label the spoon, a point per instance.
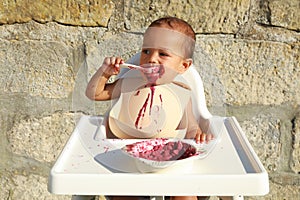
(144, 69)
(130, 66)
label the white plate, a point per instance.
(152, 165)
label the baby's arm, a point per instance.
(97, 88)
(193, 130)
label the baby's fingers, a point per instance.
(209, 137)
(116, 61)
(111, 65)
(112, 61)
(203, 137)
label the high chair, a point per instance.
(230, 168)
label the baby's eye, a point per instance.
(146, 51)
(163, 54)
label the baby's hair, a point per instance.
(176, 24)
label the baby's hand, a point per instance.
(201, 137)
(111, 66)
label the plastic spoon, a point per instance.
(131, 66)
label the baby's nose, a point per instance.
(153, 58)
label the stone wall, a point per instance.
(247, 52)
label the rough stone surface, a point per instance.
(285, 14)
(41, 139)
(255, 72)
(247, 53)
(267, 145)
(17, 186)
(75, 12)
(44, 72)
(283, 186)
(264, 33)
(277, 191)
(124, 45)
(48, 72)
(34, 31)
(230, 17)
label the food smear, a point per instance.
(143, 109)
(161, 149)
(152, 72)
(141, 113)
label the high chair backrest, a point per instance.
(194, 81)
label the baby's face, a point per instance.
(163, 57)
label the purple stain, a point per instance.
(137, 93)
(152, 89)
(141, 112)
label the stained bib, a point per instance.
(149, 111)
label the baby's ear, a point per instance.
(186, 64)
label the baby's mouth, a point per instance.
(152, 72)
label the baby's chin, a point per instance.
(152, 79)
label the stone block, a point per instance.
(214, 88)
(282, 186)
(74, 12)
(49, 57)
(16, 186)
(33, 31)
(123, 45)
(285, 14)
(269, 33)
(42, 138)
(36, 67)
(263, 133)
(253, 72)
(201, 14)
(278, 192)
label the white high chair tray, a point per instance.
(232, 168)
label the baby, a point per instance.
(168, 45)
(152, 102)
